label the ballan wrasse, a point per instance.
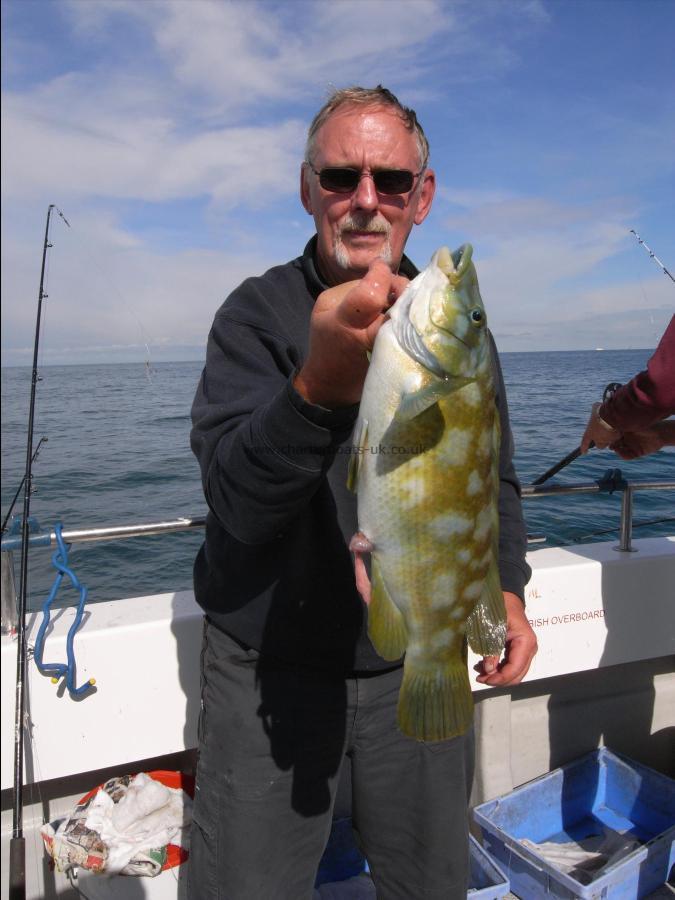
(425, 468)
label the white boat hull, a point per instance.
(605, 622)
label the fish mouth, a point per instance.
(453, 264)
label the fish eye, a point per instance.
(477, 316)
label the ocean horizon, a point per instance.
(142, 361)
(118, 453)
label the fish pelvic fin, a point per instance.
(486, 626)
(359, 447)
(386, 626)
(435, 704)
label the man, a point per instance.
(633, 421)
(293, 692)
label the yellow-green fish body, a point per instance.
(427, 480)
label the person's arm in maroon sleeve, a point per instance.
(647, 399)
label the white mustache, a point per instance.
(370, 226)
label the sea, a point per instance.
(117, 453)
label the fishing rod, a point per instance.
(17, 844)
(43, 440)
(609, 391)
(652, 254)
(565, 461)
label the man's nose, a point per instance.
(365, 195)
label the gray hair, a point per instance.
(358, 96)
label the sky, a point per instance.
(170, 133)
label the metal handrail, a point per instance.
(591, 487)
(186, 523)
(109, 533)
(530, 491)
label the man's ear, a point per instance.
(304, 188)
(426, 196)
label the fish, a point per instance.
(425, 467)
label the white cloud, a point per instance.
(537, 259)
(242, 54)
(235, 56)
(118, 154)
(527, 268)
(502, 215)
(107, 288)
(173, 127)
(530, 245)
(125, 125)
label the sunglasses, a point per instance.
(343, 180)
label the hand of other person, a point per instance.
(344, 323)
(520, 649)
(598, 431)
(633, 444)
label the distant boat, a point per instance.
(599, 348)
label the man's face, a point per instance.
(357, 227)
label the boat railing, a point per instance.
(606, 485)
(610, 483)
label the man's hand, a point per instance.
(521, 646)
(598, 431)
(634, 444)
(344, 323)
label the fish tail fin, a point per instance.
(434, 705)
(386, 626)
(486, 626)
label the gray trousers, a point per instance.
(273, 741)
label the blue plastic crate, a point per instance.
(599, 792)
(486, 879)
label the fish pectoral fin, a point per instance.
(386, 626)
(435, 703)
(414, 402)
(359, 447)
(486, 626)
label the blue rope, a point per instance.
(58, 670)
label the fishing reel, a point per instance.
(610, 390)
